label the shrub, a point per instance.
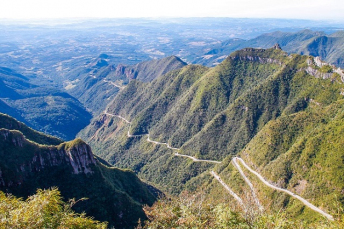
(45, 209)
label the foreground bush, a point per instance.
(197, 211)
(45, 209)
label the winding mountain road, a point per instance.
(136, 135)
(234, 161)
(197, 160)
(236, 197)
(105, 112)
(237, 165)
(112, 83)
(328, 216)
(159, 143)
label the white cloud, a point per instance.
(310, 9)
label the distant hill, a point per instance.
(113, 195)
(8, 122)
(44, 108)
(260, 104)
(329, 47)
(98, 84)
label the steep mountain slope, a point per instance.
(176, 107)
(99, 83)
(44, 108)
(301, 152)
(114, 195)
(328, 47)
(214, 114)
(8, 122)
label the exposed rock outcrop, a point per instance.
(277, 46)
(256, 59)
(129, 72)
(75, 156)
(80, 158)
(314, 64)
(120, 69)
(264, 55)
(113, 195)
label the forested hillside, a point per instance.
(100, 82)
(44, 108)
(216, 113)
(205, 122)
(103, 192)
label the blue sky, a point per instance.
(299, 9)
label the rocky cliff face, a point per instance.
(257, 55)
(128, 71)
(80, 158)
(21, 157)
(113, 195)
(315, 64)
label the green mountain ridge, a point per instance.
(8, 122)
(311, 153)
(329, 47)
(215, 114)
(99, 85)
(300, 152)
(113, 195)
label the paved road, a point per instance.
(160, 143)
(135, 136)
(112, 83)
(234, 161)
(195, 159)
(105, 112)
(285, 190)
(237, 165)
(217, 177)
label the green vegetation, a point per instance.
(7, 122)
(97, 90)
(45, 209)
(149, 70)
(177, 108)
(197, 210)
(220, 112)
(192, 210)
(46, 109)
(326, 69)
(71, 144)
(302, 152)
(113, 195)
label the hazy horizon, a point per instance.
(330, 10)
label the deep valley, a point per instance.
(151, 123)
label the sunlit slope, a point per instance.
(207, 113)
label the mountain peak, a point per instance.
(277, 46)
(176, 58)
